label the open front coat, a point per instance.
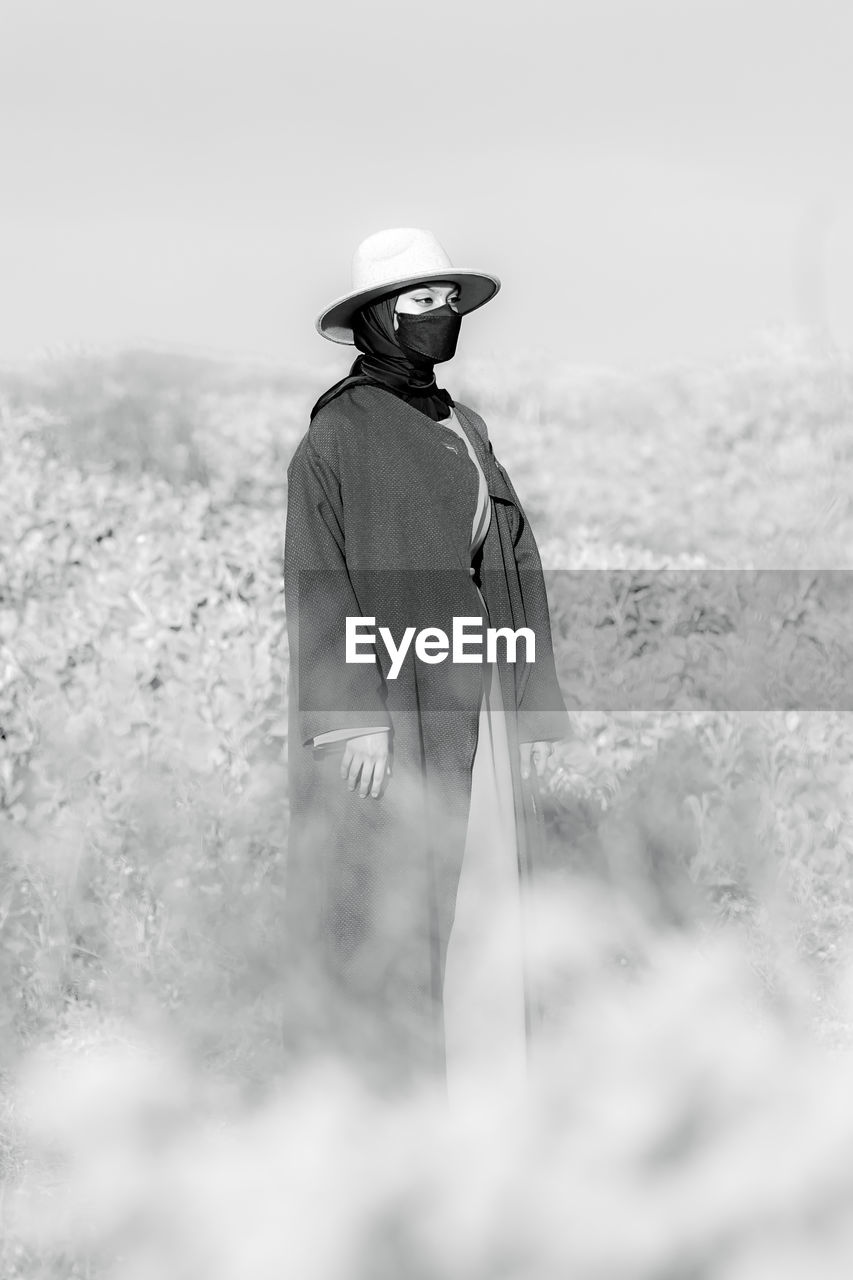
(380, 503)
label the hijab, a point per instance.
(384, 363)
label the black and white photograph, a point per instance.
(426, 640)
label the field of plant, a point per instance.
(692, 1116)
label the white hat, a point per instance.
(394, 261)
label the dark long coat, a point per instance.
(380, 505)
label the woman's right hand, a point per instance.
(367, 755)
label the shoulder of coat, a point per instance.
(298, 453)
(475, 418)
(318, 442)
(352, 412)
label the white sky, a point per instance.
(642, 174)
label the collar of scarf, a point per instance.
(384, 363)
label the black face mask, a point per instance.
(432, 334)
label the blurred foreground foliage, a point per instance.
(672, 1128)
(143, 808)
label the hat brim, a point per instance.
(475, 289)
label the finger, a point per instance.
(354, 769)
(524, 751)
(540, 759)
(367, 768)
(346, 761)
(366, 777)
(379, 774)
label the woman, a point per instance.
(409, 828)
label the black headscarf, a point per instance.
(384, 363)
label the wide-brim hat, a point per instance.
(394, 261)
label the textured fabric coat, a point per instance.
(380, 504)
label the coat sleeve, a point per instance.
(542, 714)
(326, 692)
(341, 735)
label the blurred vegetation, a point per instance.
(143, 824)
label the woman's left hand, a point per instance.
(539, 753)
